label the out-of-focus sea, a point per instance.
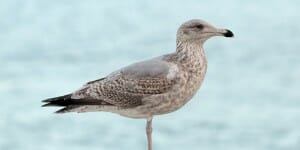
(250, 99)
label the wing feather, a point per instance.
(128, 86)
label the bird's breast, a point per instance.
(195, 78)
(189, 81)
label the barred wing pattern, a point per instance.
(127, 87)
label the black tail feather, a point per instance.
(68, 102)
(58, 101)
(67, 108)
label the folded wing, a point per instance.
(128, 86)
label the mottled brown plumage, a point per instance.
(152, 87)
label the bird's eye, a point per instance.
(200, 26)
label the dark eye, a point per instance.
(199, 26)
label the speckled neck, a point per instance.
(190, 54)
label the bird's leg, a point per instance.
(149, 132)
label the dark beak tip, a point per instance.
(228, 33)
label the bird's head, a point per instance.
(199, 31)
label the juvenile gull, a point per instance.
(153, 87)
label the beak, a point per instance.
(218, 32)
(226, 32)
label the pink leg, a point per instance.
(149, 132)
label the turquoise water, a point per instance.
(250, 98)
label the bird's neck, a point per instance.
(191, 52)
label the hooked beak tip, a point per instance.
(228, 33)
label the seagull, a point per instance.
(152, 87)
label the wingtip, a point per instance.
(47, 100)
(45, 105)
(61, 111)
(49, 104)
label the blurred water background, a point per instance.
(250, 98)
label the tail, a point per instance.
(70, 104)
(61, 101)
(57, 101)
